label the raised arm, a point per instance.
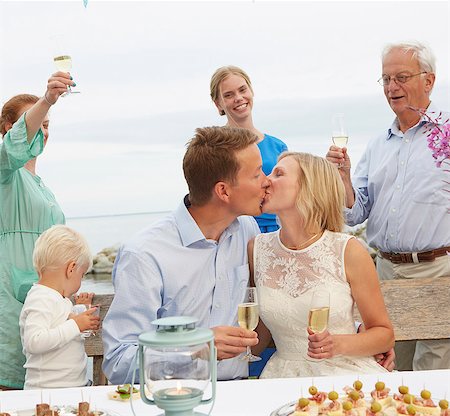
(378, 336)
(56, 85)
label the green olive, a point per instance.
(357, 385)
(333, 395)
(375, 407)
(312, 390)
(354, 395)
(379, 385)
(411, 409)
(347, 405)
(403, 389)
(443, 404)
(303, 402)
(425, 394)
(408, 398)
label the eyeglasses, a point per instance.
(398, 79)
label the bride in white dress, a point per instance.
(308, 253)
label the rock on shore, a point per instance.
(104, 260)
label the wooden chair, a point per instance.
(94, 344)
(418, 308)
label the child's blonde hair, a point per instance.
(58, 246)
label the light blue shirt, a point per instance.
(171, 269)
(401, 192)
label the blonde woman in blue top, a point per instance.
(27, 208)
(232, 93)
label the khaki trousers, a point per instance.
(420, 355)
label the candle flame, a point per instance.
(178, 386)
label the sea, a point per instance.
(104, 231)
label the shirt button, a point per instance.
(398, 186)
(402, 163)
(217, 306)
(406, 140)
(51, 204)
(41, 184)
(393, 210)
(392, 235)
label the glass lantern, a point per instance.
(176, 365)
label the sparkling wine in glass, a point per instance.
(319, 311)
(62, 59)
(339, 132)
(248, 317)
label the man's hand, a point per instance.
(386, 359)
(231, 341)
(339, 157)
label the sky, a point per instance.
(143, 70)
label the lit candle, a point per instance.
(179, 391)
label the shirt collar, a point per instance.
(432, 112)
(190, 232)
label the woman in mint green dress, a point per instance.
(27, 208)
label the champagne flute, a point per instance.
(62, 60)
(319, 311)
(339, 131)
(248, 317)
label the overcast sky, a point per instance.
(143, 69)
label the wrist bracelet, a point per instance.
(46, 99)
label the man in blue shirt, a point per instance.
(400, 191)
(194, 261)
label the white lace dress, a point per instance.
(286, 280)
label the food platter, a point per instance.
(65, 410)
(285, 410)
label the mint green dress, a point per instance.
(27, 208)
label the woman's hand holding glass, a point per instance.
(320, 342)
(57, 85)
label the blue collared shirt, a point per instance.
(171, 269)
(401, 192)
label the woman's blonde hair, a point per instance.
(58, 246)
(222, 73)
(321, 195)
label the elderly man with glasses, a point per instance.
(400, 191)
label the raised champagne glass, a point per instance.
(248, 317)
(339, 132)
(62, 59)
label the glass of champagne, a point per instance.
(248, 317)
(339, 131)
(62, 60)
(319, 311)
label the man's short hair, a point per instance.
(420, 51)
(58, 246)
(211, 157)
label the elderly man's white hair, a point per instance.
(420, 51)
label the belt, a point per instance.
(420, 257)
